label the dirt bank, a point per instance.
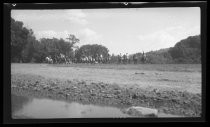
(168, 101)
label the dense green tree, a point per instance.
(92, 50)
(187, 50)
(28, 51)
(19, 37)
(54, 47)
(39, 53)
(159, 57)
(72, 40)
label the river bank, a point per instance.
(171, 102)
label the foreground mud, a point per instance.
(171, 102)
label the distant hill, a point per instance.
(162, 50)
(185, 51)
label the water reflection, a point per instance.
(31, 107)
(19, 101)
(46, 108)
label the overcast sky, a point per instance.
(120, 30)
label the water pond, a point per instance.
(32, 107)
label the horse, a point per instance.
(120, 58)
(143, 58)
(135, 59)
(125, 58)
(61, 58)
(49, 60)
(90, 59)
(84, 59)
(68, 61)
(107, 60)
(101, 59)
(95, 60)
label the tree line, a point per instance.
(26, 48)
(186, 51)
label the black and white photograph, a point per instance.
(106, 63)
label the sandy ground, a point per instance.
(165, 77)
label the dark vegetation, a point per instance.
(187, 51)
(91, 50)
(26, 48)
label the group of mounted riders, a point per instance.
(83, 59)
(125, 59)
(93, 59)
(58, 59)
(122, 59)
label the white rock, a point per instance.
(142, 111)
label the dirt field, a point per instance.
(174, 89)
(179, 77)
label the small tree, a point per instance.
(71, 45)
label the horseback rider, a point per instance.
(135, 59)
(49, 60)
(124, 58)
(119, 58)
(143, 59)
(108, 58)
(97, 58)
(101, 58)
